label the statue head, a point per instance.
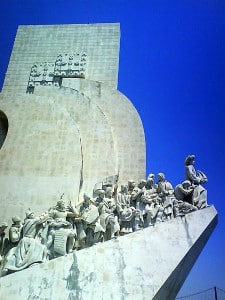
(109, 192)
(131, 183)
(61, 205)
(151, 176)
(186, 184)
(16, 220)
(30, 214)
(3, 225)
(189, 160)
(101, 194)
(161, 177)
(86, 198)
(150, 179)
(142, 183)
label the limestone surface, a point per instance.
(137, 266)
(65, 130)
(65, 126)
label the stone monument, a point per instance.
(70, 144)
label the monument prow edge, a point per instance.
(135, 266)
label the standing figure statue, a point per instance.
(30, 249)
(61, 232)
(134, 193)
(199, 198)
(149, 202)
(166, 193)
(130, 218)
(89, 230)
(122, 198)
(108, 220)
(137, 194)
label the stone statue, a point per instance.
(89, 229)
(62, 233)
(135, 192)
(64, 228)
(166, 193)
(30, 249)
(183, 193)
(122, 198)
(108, 220)
(149, 202)
(199, 198)
(130, 219)
(15, 231)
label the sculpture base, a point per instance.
(148, 264)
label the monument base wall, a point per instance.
(148, 264)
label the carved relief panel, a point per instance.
(65, 66)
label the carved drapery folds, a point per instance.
(109, 213)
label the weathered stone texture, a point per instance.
(137, 266)
(66, 135)
(38, 44)
(65, 139)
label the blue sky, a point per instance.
(172, 67)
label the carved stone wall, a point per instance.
(65, 66)
(69, 128)
(41, 45)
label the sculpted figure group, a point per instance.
(64, 228)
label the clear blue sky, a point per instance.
(172, 67)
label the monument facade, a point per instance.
(79, 218)
(65, 120)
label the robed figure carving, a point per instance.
(197, 178)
